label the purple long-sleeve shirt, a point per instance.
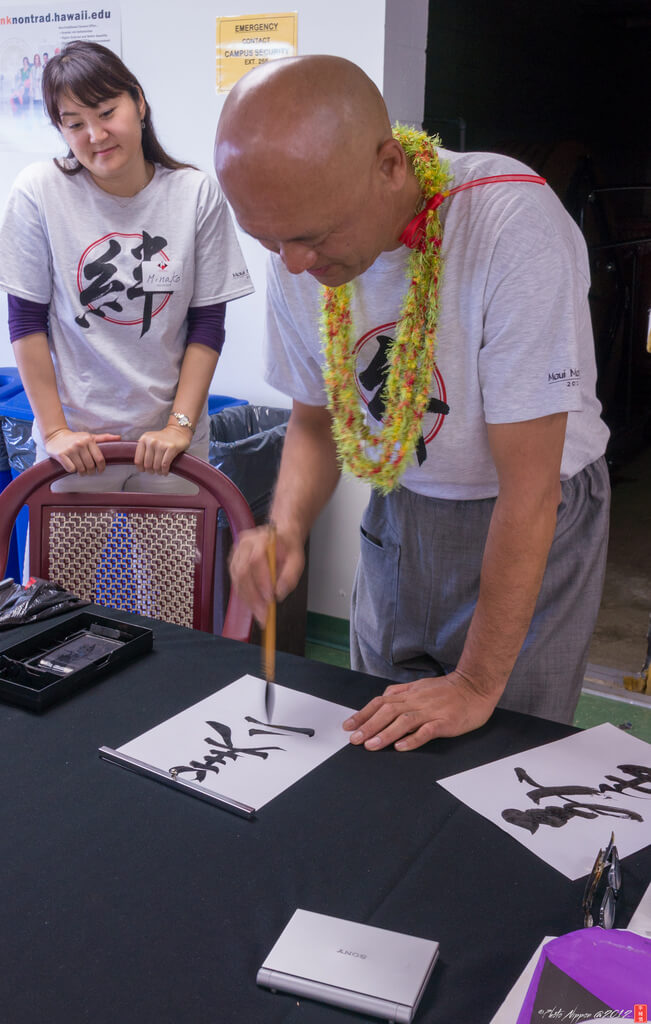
(205, 323)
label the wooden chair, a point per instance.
(149, 553)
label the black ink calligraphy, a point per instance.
(641, 781)
(280, 728)
(222, 752)
(99, 272)
(149, 248)
(101, 275)
(555, 815)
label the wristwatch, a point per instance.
(183, 420)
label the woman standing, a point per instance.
(118, 261)
(37, 84)
(20, 96)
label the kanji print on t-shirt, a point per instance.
(103, 269)
(371, 369)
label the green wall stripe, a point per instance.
(328, 630)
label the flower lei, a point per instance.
(381, 457)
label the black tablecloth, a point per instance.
(125, 902)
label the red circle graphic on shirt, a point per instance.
(124, 263)
(367, 348)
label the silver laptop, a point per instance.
(371, 970)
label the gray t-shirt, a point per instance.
(117, 348)
(514, 340)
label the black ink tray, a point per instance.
(38, 671)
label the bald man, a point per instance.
(480, 576)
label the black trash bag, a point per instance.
(246, 443)
(40, 599)
(18, 443)
(4, 457)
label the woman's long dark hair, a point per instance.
(92, 74)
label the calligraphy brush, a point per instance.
(269, 646)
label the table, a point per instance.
(125, 902)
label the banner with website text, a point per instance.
(29, 36)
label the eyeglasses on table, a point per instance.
(606, 866)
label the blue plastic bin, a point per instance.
(9, 385)
(16, 419)
(218, 402)
(10, 381)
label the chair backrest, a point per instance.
(151, 553)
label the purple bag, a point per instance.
(589, 975)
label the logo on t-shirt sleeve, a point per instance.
(568, 377)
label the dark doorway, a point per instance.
(563, 86)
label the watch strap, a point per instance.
(183, 420)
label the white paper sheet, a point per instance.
(255, 761)
(641, 920)
(569, 826)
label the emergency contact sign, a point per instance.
(246, 41)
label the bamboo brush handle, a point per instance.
(270, 625)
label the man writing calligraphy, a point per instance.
(428, 315)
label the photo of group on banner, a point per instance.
(27, 94)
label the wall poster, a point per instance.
(29, 36)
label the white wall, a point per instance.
(335, 537)
(171, 49)
(405, 55)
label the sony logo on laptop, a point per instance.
(351, 952)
